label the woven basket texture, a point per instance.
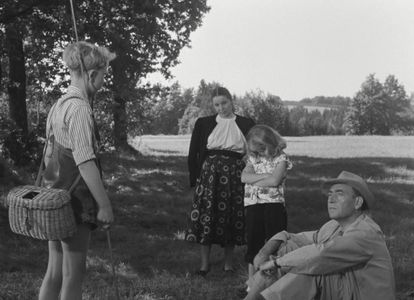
(41, 213)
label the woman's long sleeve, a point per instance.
(194, 153)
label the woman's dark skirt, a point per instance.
(217, 214)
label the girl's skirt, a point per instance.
(217, 214)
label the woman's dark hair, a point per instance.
(222, 91)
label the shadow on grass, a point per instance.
(151, 199)
(158, 207)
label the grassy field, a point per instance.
(152, 199)
(314, 146)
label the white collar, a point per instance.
(221, 119)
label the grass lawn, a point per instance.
(151, 199)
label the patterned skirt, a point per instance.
(217, 214)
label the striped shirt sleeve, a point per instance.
(80, 126)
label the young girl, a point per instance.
(264, 176)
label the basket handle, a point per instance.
(42, 162)
(72, 187)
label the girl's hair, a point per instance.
(222, 91)
(262, 137)
(87, 56)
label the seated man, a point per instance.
(346, 259)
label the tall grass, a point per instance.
(151, 198)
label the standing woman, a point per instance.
(72, 151)
(215, 164)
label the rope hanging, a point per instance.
(82, 63)
(74, 21)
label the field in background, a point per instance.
(311, 108)
(313, 146)
(151, 199)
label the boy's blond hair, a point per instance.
(87, 55)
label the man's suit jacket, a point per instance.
(198, 144)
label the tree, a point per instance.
(297, 121)
(378, 108)
(265, 109)
(29, 32)
(200, 106)
(334, 121)
(398, 107)
(146, 35)
(169, 107)
(17, 76)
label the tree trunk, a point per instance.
(119, 107)
(17, 78)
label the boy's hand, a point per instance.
(105, 215)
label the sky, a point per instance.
(299, 49)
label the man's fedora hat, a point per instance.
(354, 181)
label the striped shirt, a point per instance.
(72, 125)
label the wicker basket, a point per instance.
(41, 213)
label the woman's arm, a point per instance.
(92, 178)
(194, 153)
(275, 178)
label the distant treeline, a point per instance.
(330, 102)
(176, 111)
(377, 108)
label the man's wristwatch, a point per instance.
(274, 258)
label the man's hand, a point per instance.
(259, 259)
(271, 268)
(272, 246)
(268, 265)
